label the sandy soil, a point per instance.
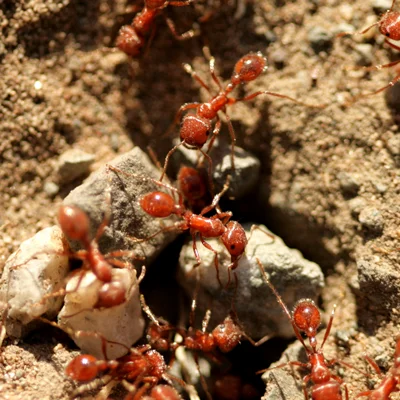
(331, 177)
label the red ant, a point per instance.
(143, 365)
(75, 225)
(161, 205)
(196, 128)
(131, 38)
(306, 318)
(389, 384)
(389, 26)
(158, 392)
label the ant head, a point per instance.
(234, 239)
(195, 130)
(249, 68)
(191, 183)
(307, 317)
(389, 26)
(227, 335)
(74, 223)
(158, 204)
(128, 41)
(111, 294)
(83, 368)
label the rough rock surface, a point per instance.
(293, 276)
(38, 268)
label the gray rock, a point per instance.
(371, 219)
(244, 177)
(73, 164)
(127, 217)
(38, 268)
(122, 324)
(365, 54)
(357, 205)
(51, 189)
(257, 308)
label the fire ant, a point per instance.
(389, 383)
(75, 225)
(142, 366)
(160, 205)
(389, 26)
(195, 128)
(307, 318)
(131, 38)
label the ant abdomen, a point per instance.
(195, 130)
(111, 294)
(158, 204)
(74, 223)
(83, 368)
(248, 68)
(390, 25)
(307, 317)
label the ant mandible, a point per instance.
(389, 26)
(131, 38)
(161, 205)
(306, 318)
(389, 383)
(195, 128)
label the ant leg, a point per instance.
(179, 226)
(390, 84)
(281, 303)
(168, 156)
(202, 380)
(217, 197)
(211, 61)
(233, 139)
(210, 181)
(341, 34)
(215, 133)
(374, 67)
(254, 227)
(281, 96)
(106, 218)
(216, 263)
(304, 385)
(183, 36)
(189, 69)
(194, 300)
(328, 329)
(374, 365)
(294, 363)
(392, 44)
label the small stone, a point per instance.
(73, 164)
(38, 268)
(356, 205)
(349, 183)
(380, 187)
(279, 57)
(51, 189)
(320, 39)
(122, 324)
(381, 6)
(371, 219)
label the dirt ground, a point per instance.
(330, 177)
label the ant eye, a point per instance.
(387, 34)
(233, 246)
